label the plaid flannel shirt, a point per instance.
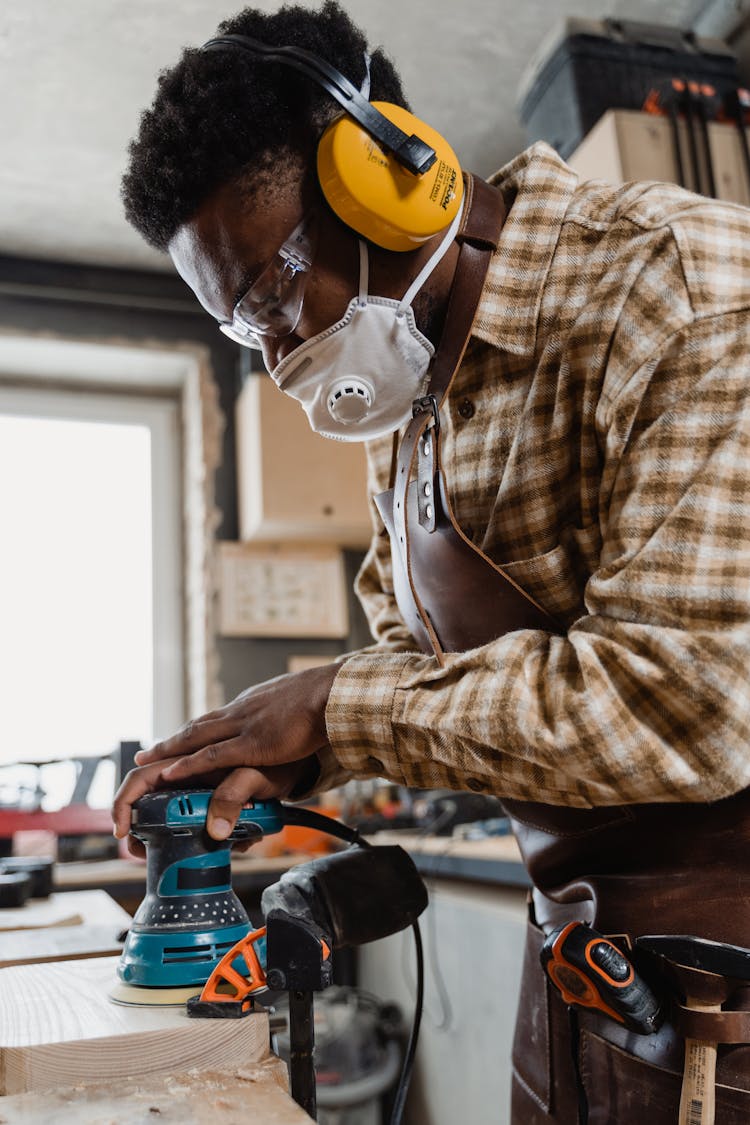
(596, 443)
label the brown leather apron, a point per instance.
(632, 870)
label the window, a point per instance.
(91, 639)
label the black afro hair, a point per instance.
(218, 115)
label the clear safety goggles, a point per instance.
(273, 303)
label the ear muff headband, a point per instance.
(383, 193)
(410, 151)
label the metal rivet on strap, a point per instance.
(428, 511)
(428, 489)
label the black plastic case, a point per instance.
(590, 66)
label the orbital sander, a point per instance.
(190, 917)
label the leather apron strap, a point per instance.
(425, 537)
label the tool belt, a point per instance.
(625, 1078)
(630, 872)
(726, 987)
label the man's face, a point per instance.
(225, 247)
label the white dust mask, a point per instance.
(357, 380)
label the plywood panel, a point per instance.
(280, 590)
(292, 483)
(58, 1027)
(59, 943)
(72, 908)
(255, 1093)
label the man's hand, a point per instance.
(261, 743)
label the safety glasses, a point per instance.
(273, 303)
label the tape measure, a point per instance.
(590, 971)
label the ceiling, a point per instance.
(74, 77)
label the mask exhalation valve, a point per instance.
(350, 400)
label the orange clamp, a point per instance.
(227, 984)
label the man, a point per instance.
(594, 446)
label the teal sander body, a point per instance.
(190, 917)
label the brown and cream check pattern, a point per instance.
(597, 444)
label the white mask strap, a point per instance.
(364, 261)
(364, 269)
(433, 261)
(431, 264)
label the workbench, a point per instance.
(253, 1093)
(494, 860)
(69, 1055)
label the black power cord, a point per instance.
(411, 1049)
(308, 818)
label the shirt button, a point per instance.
(376, 764)
(466, 408)
(475, 784)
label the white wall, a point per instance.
(473, 938)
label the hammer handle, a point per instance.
(698, 1097)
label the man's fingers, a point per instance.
(193, 736)
(227, 801)
(239, 787)
(223, 755)
(136, 847)
(141, 780)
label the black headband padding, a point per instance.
(415, 155)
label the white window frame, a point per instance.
(183, 371)
(161, 417)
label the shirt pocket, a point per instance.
(557, 578)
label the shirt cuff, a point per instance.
(360, 711)
(328, 775)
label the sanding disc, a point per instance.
(136, 996)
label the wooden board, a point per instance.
(58, 1028)
(256, 1094)
(72, 908)
(59, 943)
(293, 484)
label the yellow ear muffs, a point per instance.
(374, 194)
(397, 196)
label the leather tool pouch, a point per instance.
(627, 1078)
